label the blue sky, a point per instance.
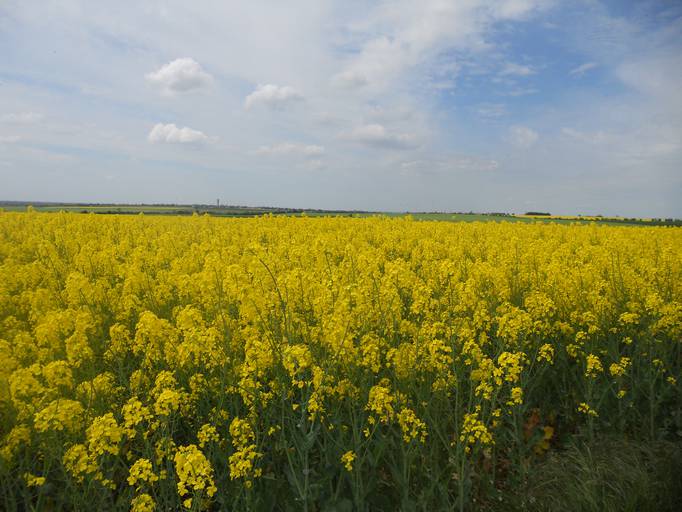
(510, 105)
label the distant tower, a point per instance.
(217, 202)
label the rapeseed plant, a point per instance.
(243, 364)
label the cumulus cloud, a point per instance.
(172, 134)
(288, 148)
(522, 136)
(582, 69)
(272, 96)
(376, 135)
(511, 68)
(21, 118)
(180, 75)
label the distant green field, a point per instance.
(243, 211)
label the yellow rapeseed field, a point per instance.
(161, 363)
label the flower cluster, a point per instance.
(195, 474)
(242, 461)
(142, 472)
(347, 460)
(474, 432)
(411, 426)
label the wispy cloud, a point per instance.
(492, 110)
(21, 118)
(288, 148)
(376, 135)
(583, 68)
(451, 164)
(511, 68)
(522, 136)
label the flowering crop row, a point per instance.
(320, 363)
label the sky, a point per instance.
(570, 107)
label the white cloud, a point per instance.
(180, 75)
(598, 137)
(582, 69)
(376, 135)
(358, 64)
(492, 110)
(658, 77)
(511, 68)
(272, 96)
(314, 165)
(400, 36)
(288, 148)
(523, 91)
(451, 164)
(172, 134)
(349, 80)
(9, 139)
(21, 118)
(522, 136)
(515, 9)
(646, 143)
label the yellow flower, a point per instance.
(142, 471)
(241, 432)
(207, 433)
(78, 462)
(411, 426)
(58, 374)
(593, 366)
(242, 463)
(167, 403)
(60, 414)
(618, 369)
(347, 460)
(104, 435)
(546, 353)
(164, 449)
(195, 473)
(19, 436)
(516, 396)
(297, 359)
(474, 431)
(34, 481)
(380, 403)
(586, 409)
(511, 364)
(134, 413)
(142, 503)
